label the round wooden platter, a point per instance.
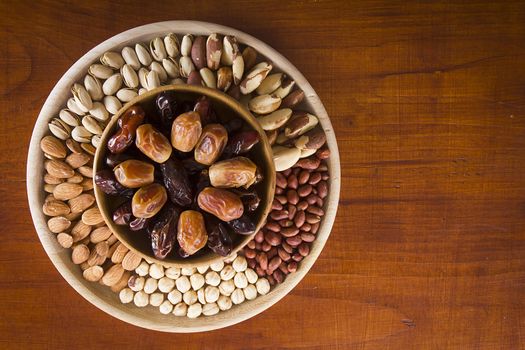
(101, 296)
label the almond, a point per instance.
(59, 169)
(122, 283)
(58, 224)
(75, 179)
(131, 261)
(73, 216)
(95, 258)
(113, 275)
(112, 239)
(73, 146)
(92, 217)
(80, 231)
(51, 180)
(93, 273)
(55, 208)
(102, 248)
(76, 160)
(89, 148)
(80, 254)
(100, 234)
(112, 248)
(53, 146)
(66, 191)
(86, 171)
(119, 253)
(87, 184)
(65, 240)
(81, 203)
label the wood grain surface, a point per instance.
(428, 104)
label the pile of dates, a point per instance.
(183, 175)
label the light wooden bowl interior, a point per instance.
(261, 154)
(101, 296)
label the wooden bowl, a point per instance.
(101, 296)
(261, 154)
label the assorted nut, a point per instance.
(299, 154)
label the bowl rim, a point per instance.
(105, 299)
(233, 105)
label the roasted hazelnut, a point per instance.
(209, 148)
(148, 200)
(234, 172)
(134, 173)
(153, 144)
(185, 131)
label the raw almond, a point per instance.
(81, 203)
(102, 248)
(113, 275)
(112, 248)
(73, 146)
(131, 261)
(59, 169)
(65, 240)
(49, 188)
(86, 171)
(76, 179)
(80, 231)
(100, 234)
(76, 160)
(93, 273)
(58, 224)
(80, 254)
(87, 184)
(55, 208)
(122, 283)
(92, 217)
(95, 258)
(112, 239)
(73, 216)
(119, 253)
(66, 191)
(53, 146)
(51, 180)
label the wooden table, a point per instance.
(428, 104)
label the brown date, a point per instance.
(241, 142)
(249, 198)
(211, 144)
(219, 241)
(234, 172)
(106, 181)
(185, 131)
(203, 107)
(163, 231)
(243, 225)
(134, 173)
(153, 144)
(177, 182)
(223, 204)
(148, 200)
(191, 231)
(123, 215)
(128, 123)
(138, 224)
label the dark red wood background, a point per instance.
(427, 101)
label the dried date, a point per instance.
(138, 224)
(106, 181)
(191, 231)
(219, 241)
(205, 110)
(224, 204)
(134, 173)
(128, 123)
(250, 199)
(241, 142)
(186, 131)
(177, 182)
(243, 225)
(148, 200)
(234, 172)
(211, 144)
(123, 214)
(153, 143)
(163, 232)
(167, 107)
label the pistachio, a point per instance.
(172, 45)
(186, 66)
(69, 117)
(198, 52)
(91, 125)
(129, 76)
(95, 141)
(293, 99)
(195, 79)
(82, 97)
(143, 90)
(126, 95)
(313, 139)
(74, 107)
(285, 88)
(99, 112)
(275, 120)
(250, 56)
(284, 157)
(81, 134)
(157, 49)
(270, 84)
(171, 66)
(185, 46)
(237, 69)
(224, 78)
(264, 104)
(143, 77)
(157, 67)
(100, 71)
(112, 59)
(93, 87)
(59, 128)
(300, 123)
(208, 78)
(213, 51)
(230, 50)
(130, 57)
(152, 80)
(112, 84)
(112, 104)
(143, 55)
(255, 77)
